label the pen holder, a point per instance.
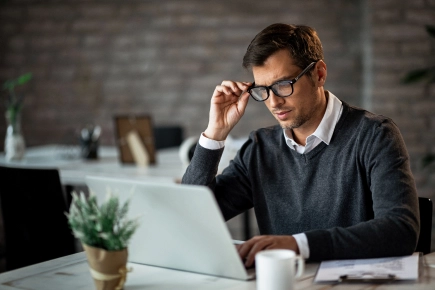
(89, 137)
(89, 149)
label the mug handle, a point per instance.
(301, 266)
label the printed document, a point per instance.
(398, 268)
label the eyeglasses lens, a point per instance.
(283, 88)
(259, 93)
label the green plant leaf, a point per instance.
(105, 226)
(12, 83)
(24, 78)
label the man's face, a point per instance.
(303, 109)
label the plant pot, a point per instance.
(108, 268)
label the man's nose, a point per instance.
(274, 100)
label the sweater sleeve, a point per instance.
(395, 227)
(232, 188)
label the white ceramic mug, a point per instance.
(275, 269)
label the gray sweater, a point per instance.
(353, 198)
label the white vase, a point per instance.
(15, 146)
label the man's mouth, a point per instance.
(282, 114)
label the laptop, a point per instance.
(181, 227)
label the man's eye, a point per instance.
(284, 84)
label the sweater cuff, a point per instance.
(320, 245)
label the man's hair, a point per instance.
(301, 41)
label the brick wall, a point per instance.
(401, 44)
(94, 59)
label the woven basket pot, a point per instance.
(108, 268)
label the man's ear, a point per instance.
(320, 73)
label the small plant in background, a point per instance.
(14, 101)
(106, 227)
(15, 146)
(427, 76)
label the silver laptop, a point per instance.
(181, 227)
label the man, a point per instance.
(331, 181)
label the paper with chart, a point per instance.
(403, 268)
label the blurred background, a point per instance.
(92, 60)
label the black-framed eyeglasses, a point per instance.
(280, 88)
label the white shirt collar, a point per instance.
(325, 129)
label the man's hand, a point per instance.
(227, 106)
(250, 248)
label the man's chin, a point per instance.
(286, 124)
(290, 125)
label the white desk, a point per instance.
(74, 169)
(72, 272)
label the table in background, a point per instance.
(72, 272)
(73, 169)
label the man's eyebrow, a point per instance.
(284, 78)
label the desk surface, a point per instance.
(74, 169)
(72, 272)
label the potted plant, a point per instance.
(104, 232)
(14, 141)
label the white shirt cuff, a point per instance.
(302, 241)
(210, 143)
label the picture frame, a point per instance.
(142, 124)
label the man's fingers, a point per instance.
(237, 87)
(231, 85)
(250, 248)
(223, 90)
(257, 247)
(244, 248)
(242, 86)
(243, 101)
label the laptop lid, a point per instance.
(181, 227)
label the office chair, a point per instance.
(425, 238)
(33, 207)
(167, 136)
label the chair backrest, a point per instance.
(33, 207)
(167, 136)
(425, 238)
